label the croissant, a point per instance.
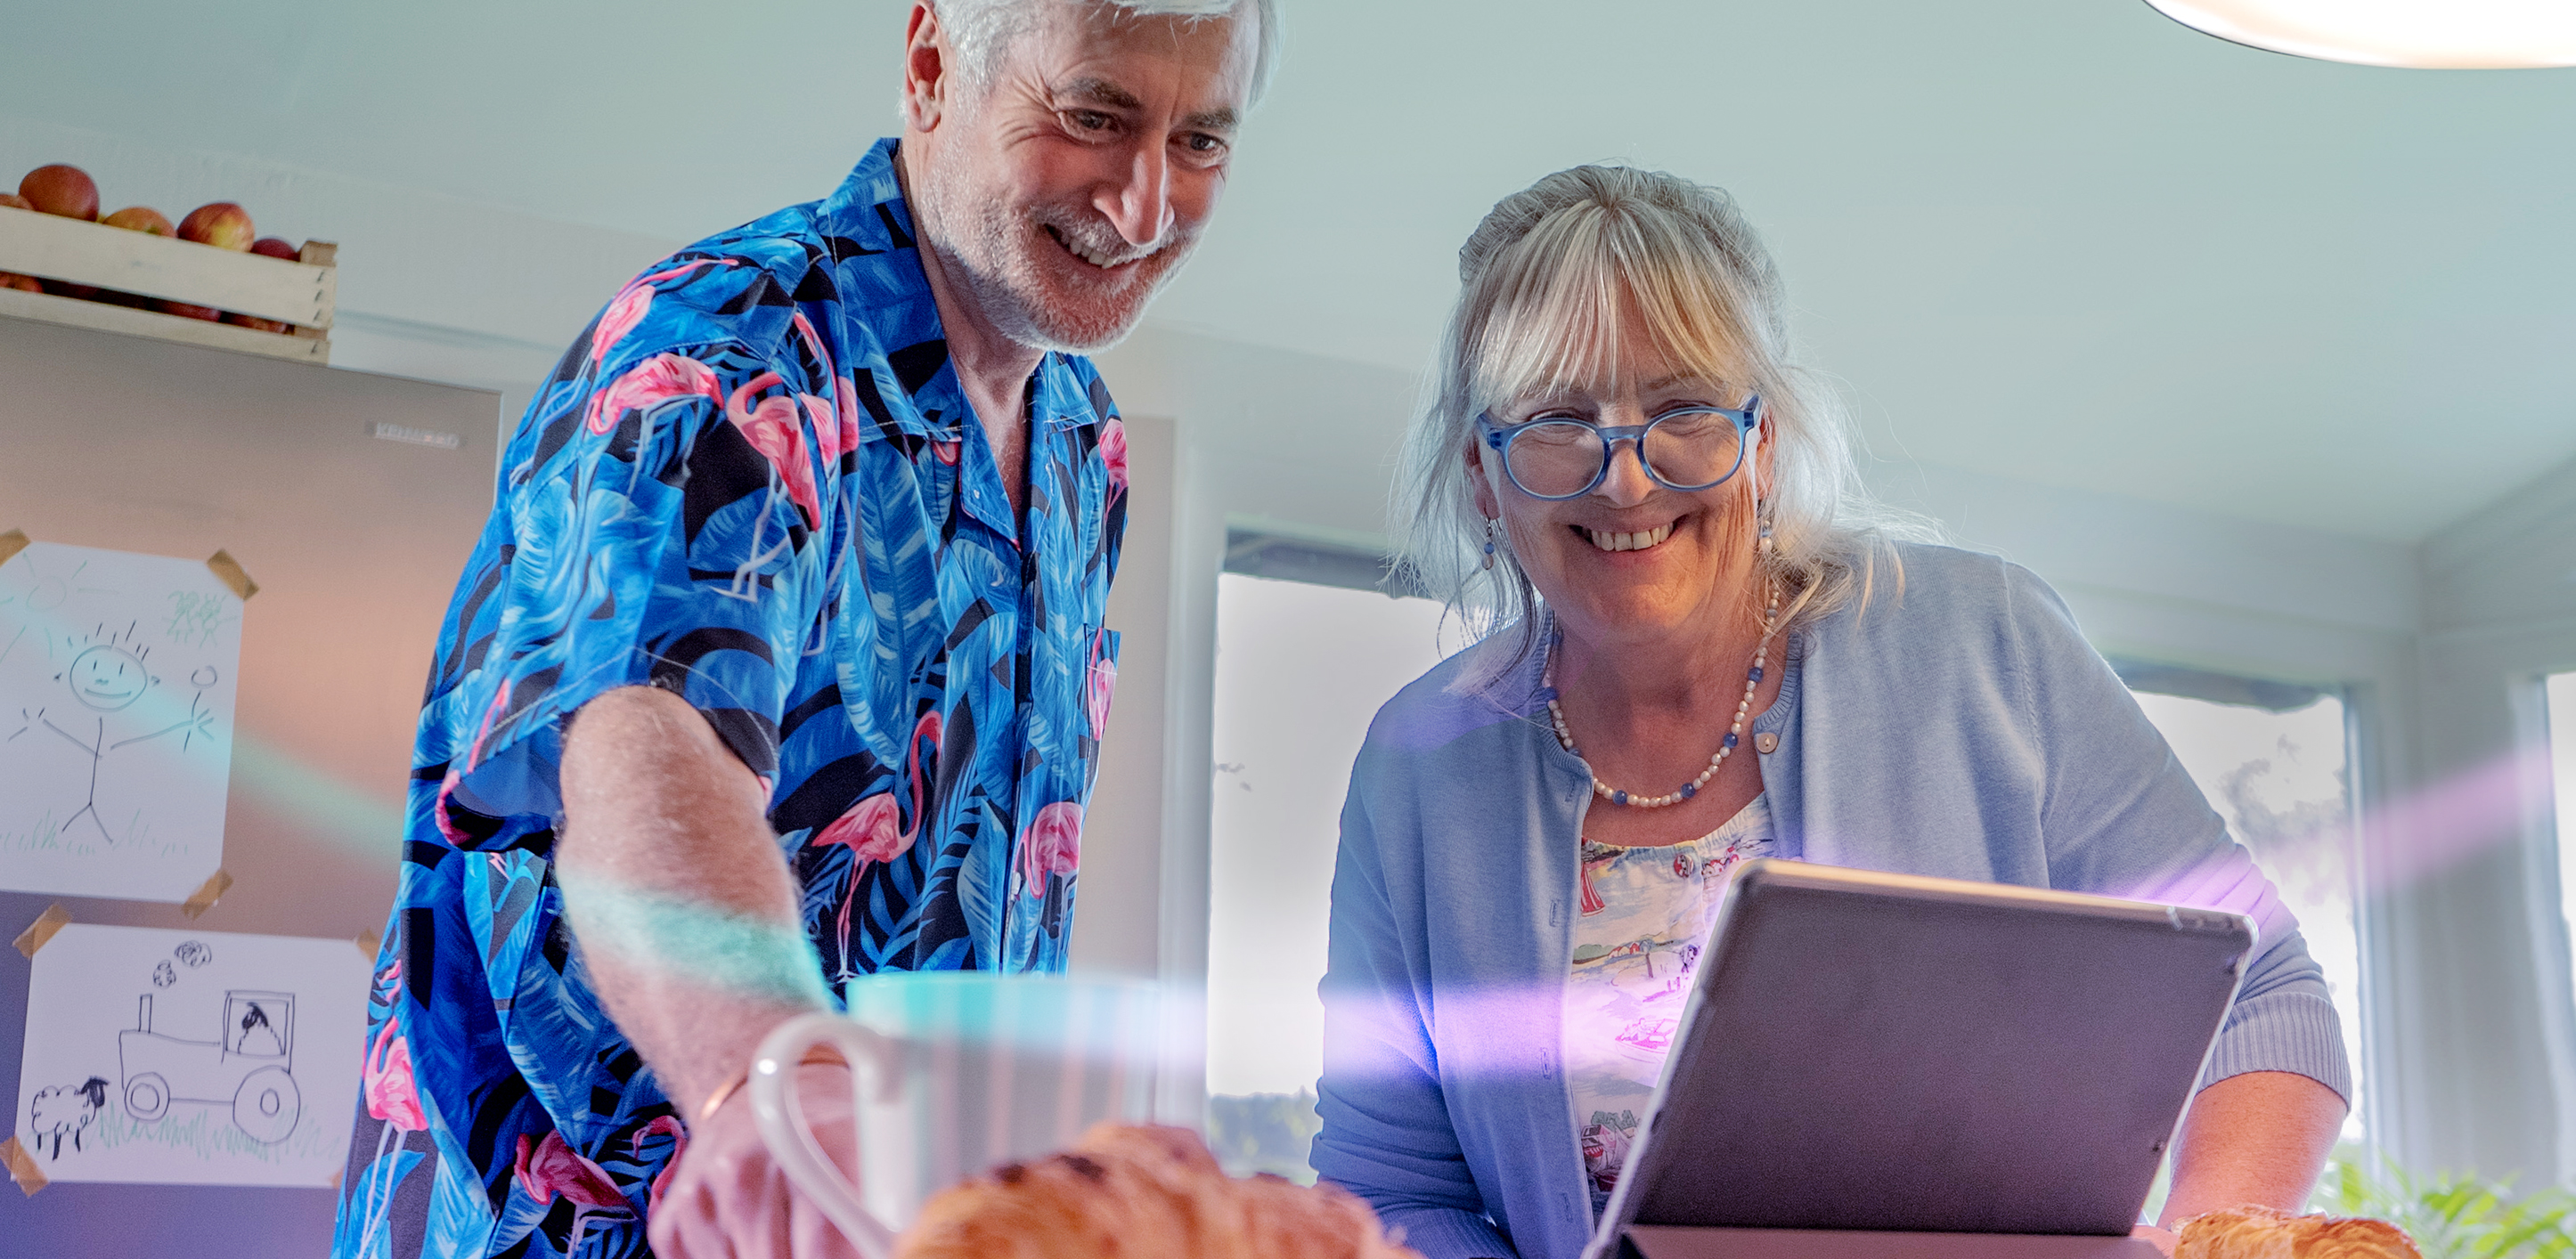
(1141, 1190)
(2263, 1233)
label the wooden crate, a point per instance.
(52, 247)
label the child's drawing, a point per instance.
(63, 1112)
(247, 1067)
(116, 714)
(237, 1065)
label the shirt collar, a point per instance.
(869, 212)
(868, 208)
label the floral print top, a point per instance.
(1646, 914)
(755, 482)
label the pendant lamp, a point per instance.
(2426, 34)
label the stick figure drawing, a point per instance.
(108, 678)
(116, 697)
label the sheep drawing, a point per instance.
(67, 1110)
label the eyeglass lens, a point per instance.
(1555, 458)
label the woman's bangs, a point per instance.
(1570, 294)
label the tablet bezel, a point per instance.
(2174, 943)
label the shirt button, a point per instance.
(1766, 743)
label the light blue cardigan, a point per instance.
(1960, 728)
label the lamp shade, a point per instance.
(2428, 34)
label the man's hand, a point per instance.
(726, 1199)
(685, 911)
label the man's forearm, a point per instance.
(686, 912)
(2257, 1139)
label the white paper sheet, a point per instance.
(117, 677)
(191, 1058)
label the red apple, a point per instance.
(141, 218)
(274, 247)
(22, 283)
(220, 224)
(257, 324)
(61, 189)
(16, 202)
(207, 313)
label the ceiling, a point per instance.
(2065, 241)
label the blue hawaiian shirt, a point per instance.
(754, 481)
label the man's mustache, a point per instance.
(1104, 246)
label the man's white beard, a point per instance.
(995, 239)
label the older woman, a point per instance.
(1705, 644)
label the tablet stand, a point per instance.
(1644, 1241)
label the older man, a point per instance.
(813, 529)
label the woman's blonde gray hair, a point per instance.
(978, 30)
(1548, 286)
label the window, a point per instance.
(2559, 696)
(2271, 757)
(1301, 667)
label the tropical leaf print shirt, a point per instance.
(753, 482)
(1646, 914)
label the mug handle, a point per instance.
(781, 1115)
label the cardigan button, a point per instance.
(1766, 743)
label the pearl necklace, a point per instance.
(1752, 680)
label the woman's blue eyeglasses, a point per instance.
(1686, 449)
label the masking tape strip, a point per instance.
(22, 1167)
(54, 919)
(12, 542)
(369, 943)
(204, 898)
(230, 569)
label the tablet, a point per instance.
(1866, 1051)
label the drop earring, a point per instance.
(1493, 528)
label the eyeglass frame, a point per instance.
(1747, 418)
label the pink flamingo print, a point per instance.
(813, 342)
(774, 429)
(871, 828)
(1113, 450)
(661, 1125)
(386, 1083)
(1103, 681)
(835, 422)
(456, 772)
(845, 409)
(438, 808)
(386, 1076)
(627, 309)
(556, 1168)
(827, 430)
(659, 379)
(1052, 845)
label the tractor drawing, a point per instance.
(249, 1065)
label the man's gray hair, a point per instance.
(980, 29)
